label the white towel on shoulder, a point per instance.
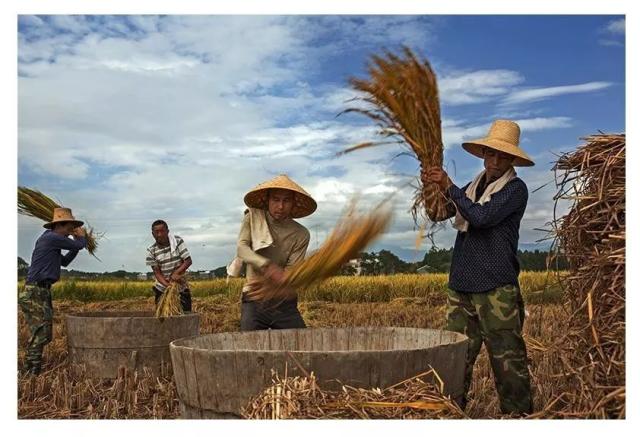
(173, 244)
(460, 223)
(260, 237)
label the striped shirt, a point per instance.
(167, 261)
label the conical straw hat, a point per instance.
(504, 136)
(303, 206)
(61, 215)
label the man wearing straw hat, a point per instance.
(484, 301)
(35, 297)
(270, 242)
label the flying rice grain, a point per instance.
(352, 234)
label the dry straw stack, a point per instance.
(592, 237)
(401, 97)
(35, 204)
(353, 233)
(301, 398)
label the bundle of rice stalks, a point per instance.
(401, 97)
(592, 237)
(36, 204)
(353, 233)
(169, 303)
(419, 397)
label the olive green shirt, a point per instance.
(290, 242)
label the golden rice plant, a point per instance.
(353, 233)
(537, 287)
(401, 97)
(33, 203)
(169, 303)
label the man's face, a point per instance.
(160, 234)
(280, 203)
(496, 163)
(65, 228)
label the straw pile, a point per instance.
(35, 204)
(419, 397)
(353, 233)
(169, 303)
(592, 238)
(65, 392)
(401, 96)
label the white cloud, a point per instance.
(543, 123)
(477, 86)
(535, 94)
(613, 33)
(616, 27)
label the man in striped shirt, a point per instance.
(169, 259)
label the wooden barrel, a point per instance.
(217, 374)
(104, 341)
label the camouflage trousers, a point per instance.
(495, 318)
(36, 306)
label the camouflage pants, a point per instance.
(495, 318)
(36, 306)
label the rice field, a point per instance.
(537, 287)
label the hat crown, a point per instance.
(505, 130)
(62, 214)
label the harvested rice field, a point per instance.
(62, 391)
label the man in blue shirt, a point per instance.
(484, 301)
(35, 297)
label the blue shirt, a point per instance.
(47, 256)
(485, 257)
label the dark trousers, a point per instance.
(185, 298)
(268, 315)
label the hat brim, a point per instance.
(49, 225)
(303, 206)
(476, 148)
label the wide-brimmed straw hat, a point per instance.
(504, 136)
(62, 215)
(303, 204)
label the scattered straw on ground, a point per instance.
(419, 397)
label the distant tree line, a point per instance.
(437, 260)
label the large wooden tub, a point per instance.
(217, 374)
(104, 341)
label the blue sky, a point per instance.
(132, 118)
